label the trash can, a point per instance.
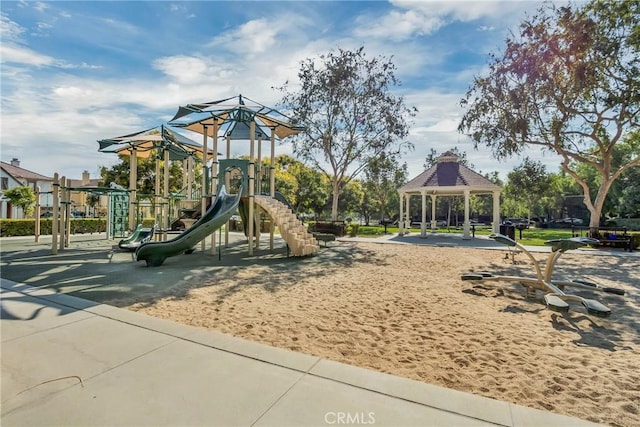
(508, 230)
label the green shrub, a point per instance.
(17, 227)
(27, 227)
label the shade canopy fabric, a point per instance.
(233, 116)
(154, 141)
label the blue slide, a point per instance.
(225, 205)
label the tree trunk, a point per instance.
(334, 204)
(595, 207)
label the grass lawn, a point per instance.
(531, 236)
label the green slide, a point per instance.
(225, 205)
(139, 236)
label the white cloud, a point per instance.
(184, 69)
(9, 30)
(15, 54)
(43, 26)
(465, 10)
(40, 6)
(254, 36)
(419, 18)
(397, 25)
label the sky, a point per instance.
(74, 72)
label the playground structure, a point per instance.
(555, 297)
(299, 241)
(228, 120)
(214, 120)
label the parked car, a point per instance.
(574, 221)
(517, 222)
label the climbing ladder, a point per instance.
(299, 240)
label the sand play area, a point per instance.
(402, 309)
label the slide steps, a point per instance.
(300, 241)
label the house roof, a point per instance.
(21, 173)
(448, 175)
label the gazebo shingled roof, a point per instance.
(449, 172)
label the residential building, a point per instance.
(11, 176)
(80, 202)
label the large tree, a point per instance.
(528, 183)
(146, 173)
(305, 188)
(345, 102)
(569, 83)
(384, 176)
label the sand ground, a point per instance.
(403, 309)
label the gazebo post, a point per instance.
(407, 214)
(423, 222)
(434, 221)
(467, 225)
(496, 211)
(401, 217)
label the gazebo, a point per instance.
(448, 177)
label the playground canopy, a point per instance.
(233, 118)
(448, 177)
(160, 138)
(162, 142)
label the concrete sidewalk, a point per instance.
(69, 361)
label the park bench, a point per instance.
(615, 238)
(336, 228)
